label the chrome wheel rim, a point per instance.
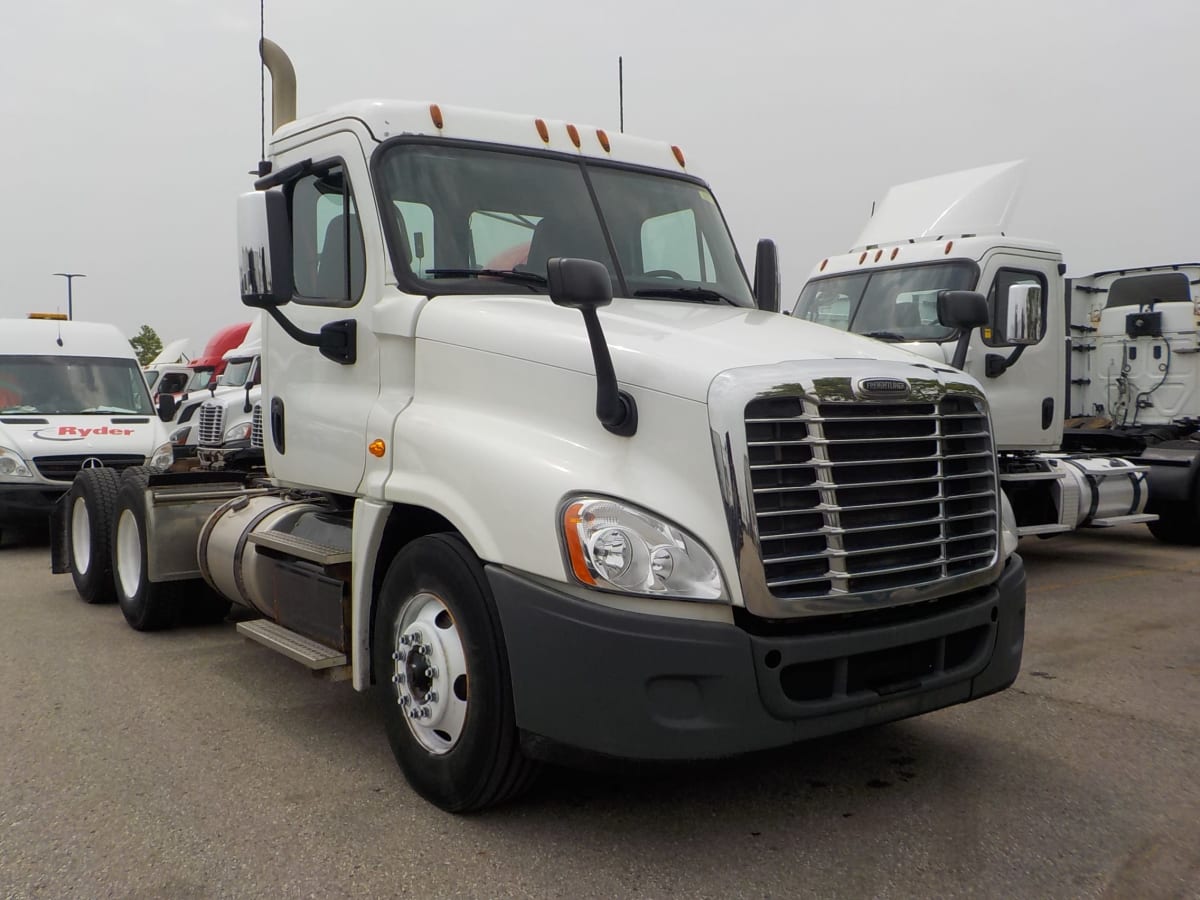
(429, 672)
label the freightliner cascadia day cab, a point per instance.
(546, 480)
(225, 420)
(206, 369)
(950, 233)
(72, 396)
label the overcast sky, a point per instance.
(129, 126)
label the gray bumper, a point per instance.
(605, 681)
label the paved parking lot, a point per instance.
(193, 764)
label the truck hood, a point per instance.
(33, 436)
(672, 347)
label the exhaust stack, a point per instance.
(283, 83)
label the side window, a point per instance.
(671, 243)
(416, 227)
(998, 301)
(327, 241)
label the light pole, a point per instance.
(70, 276)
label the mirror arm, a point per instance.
(616, 409)
(336, 340)
(996, 365)
(960, 349)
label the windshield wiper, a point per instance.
(108, 411)
(884, 335)
(530, 278)
(704, 295)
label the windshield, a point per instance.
(236, 373)
(152, 378)
(891, 304)
(200, 379)
(459, 211)
(72, 385)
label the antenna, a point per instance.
(621, 88)
(262, 79)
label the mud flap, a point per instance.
(60, 542)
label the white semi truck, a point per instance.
(225, 421)
(72, 396)
(545, 480)
(950, 233)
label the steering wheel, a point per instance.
(663, 273)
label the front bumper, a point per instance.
(605, 681)
(28, 502)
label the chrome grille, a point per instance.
(210, 424)
(256, 432)
(863, 497)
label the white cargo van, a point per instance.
(72, 396)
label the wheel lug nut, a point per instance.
(398, 678)
(431, 697)
(398, 656)
(406, 639)
(431, 672)
(405, 699)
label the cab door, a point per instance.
(1026, 398)
(315, 409)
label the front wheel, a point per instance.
(442, 678)
(92, 499)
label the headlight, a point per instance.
(12, 465)
(616, 547)
(238, 432)
(163, 457)
(179, 435)
(1008, 527)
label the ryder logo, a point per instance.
(76, 433)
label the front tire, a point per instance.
(92, 500)
(442, 678)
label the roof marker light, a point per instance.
(949, 246)
(435, 113)
(602, 137)
(895, 250)
(824, 263)
(862, 258)
(878, 253)
(573, 134)
(542, 129)
(679, 156)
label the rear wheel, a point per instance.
(149, 605)
(1177, 526)
(92, 499)
(442, 678)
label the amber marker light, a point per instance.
(573, 134)
(862, 258)
(878, 253)
(377, 447)
(542, 130)
(824, 263)
(949, 246)
(678, 157)
(435, 113)
(571, 522)
(602, 137)
(895, 250)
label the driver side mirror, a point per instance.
(962, 309)
(167, 407)
(766, 276)
(1022, 322)
(264, 249)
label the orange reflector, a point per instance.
(824, 263)
(679, 156)
(895, 250)
(542, 130)
(573, 134)
(602, 137)
(435, 113)
(878, 253)
(56, 317)
(949, 245)
(862, 258)
(571, 522)
(377, 447)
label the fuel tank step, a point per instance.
(303, 650)
(300, 548)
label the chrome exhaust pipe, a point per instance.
(283, 83)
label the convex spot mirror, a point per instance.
(1022, 322)
(264, 249)
(962, 309)
(578, 283)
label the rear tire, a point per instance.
(89, 533)
(436, 614)
(1177, 526)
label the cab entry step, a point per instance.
(303, 650)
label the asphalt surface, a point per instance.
(193, 764)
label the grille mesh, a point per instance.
(256, 432)
(210, 425)
(65, 468)
(859, 497)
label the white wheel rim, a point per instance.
(81, 536)
(429, 673)
(129, 553)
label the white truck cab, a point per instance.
(72, 396)
(224, 422)
(549, 477)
